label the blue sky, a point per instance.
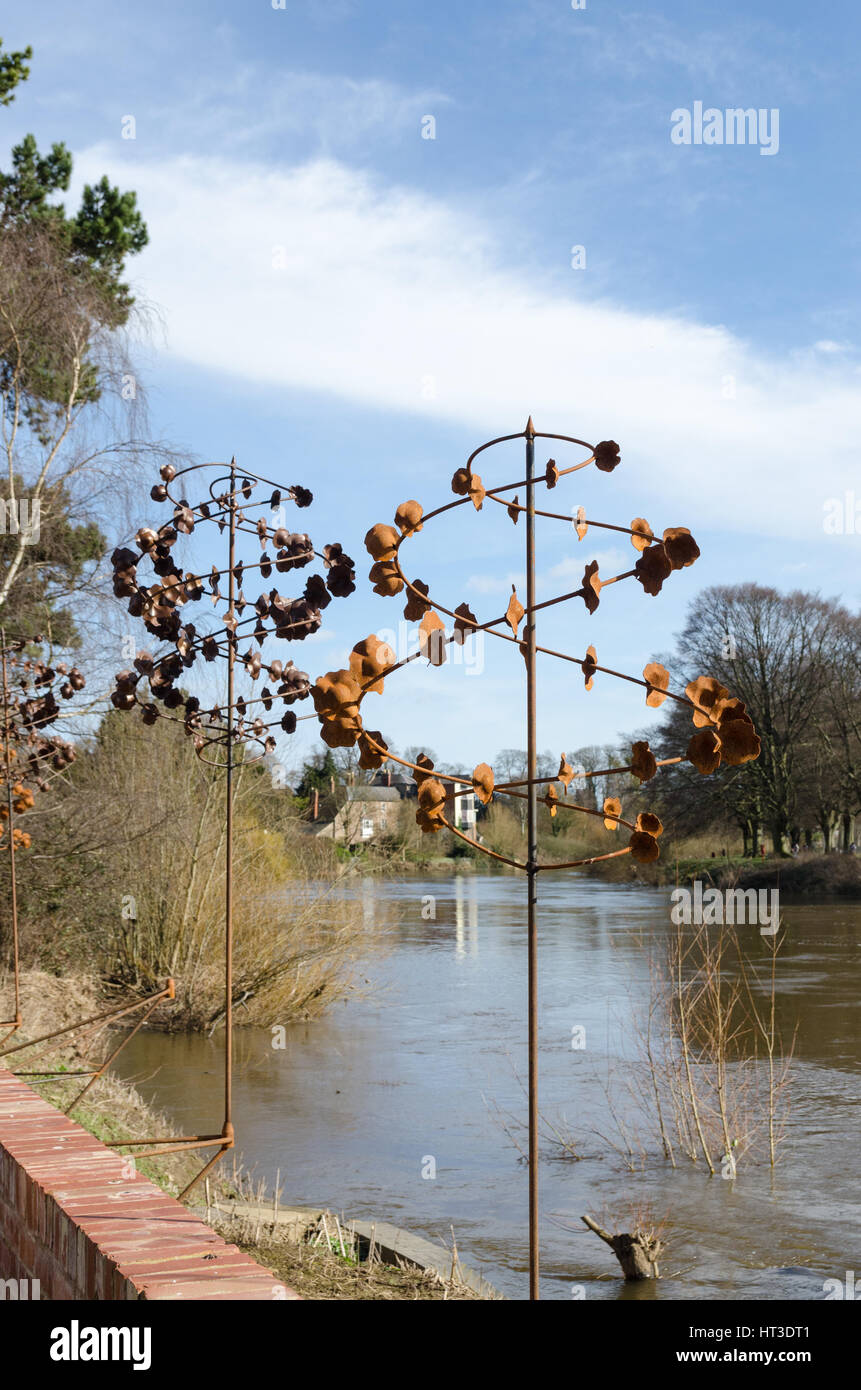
(349, 305)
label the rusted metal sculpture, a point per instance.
(237, 723)
(31, 760)
(724, 731)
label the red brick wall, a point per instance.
(74, 1216)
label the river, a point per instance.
(391, 1106)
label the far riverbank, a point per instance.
(807, 876)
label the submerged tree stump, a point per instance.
(637, 1253)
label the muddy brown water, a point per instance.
(389, 1107)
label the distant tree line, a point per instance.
(795, 661)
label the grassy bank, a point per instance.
(806, 876)
(809, 875)
(330, 1268)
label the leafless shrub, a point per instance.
(713, 1071)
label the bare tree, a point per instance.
(774, 651)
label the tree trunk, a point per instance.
(637, 1253)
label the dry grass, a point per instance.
(566, 837)
(295, 937)
(127, 882)
(112, 1110)
(312, 1268)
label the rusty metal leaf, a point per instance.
(465, 623)
(740, 742)
(680, 546)
(483, 783)
(423, 769)
(386, 579)
(432, 641)
(408, 517)
(644, 847)
(652, 568)
(591, 589)
(704, 751)
(607, 455)
(707, 695)
(657, 678)
(468, 484)
(370, 755)
(650, 823)
(514, 612)
(589, 665)
(369, 659)
(381, 542)
(417, 604)
(644, 765)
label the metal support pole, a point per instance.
(532, 860)
(203, 1172)
(13, 879)
(228, 886)
(112, 1058)
(167, 993)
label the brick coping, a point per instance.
(75, 1219)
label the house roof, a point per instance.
(373, 794)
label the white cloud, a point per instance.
(829, 345)
(383, 288)
(608, 560)
(495, 584)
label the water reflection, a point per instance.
(430, 1060)
(466, 917)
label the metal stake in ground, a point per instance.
(13, 883)
(723, 731)
(249, 720)
(531, 860)
(228, 887)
